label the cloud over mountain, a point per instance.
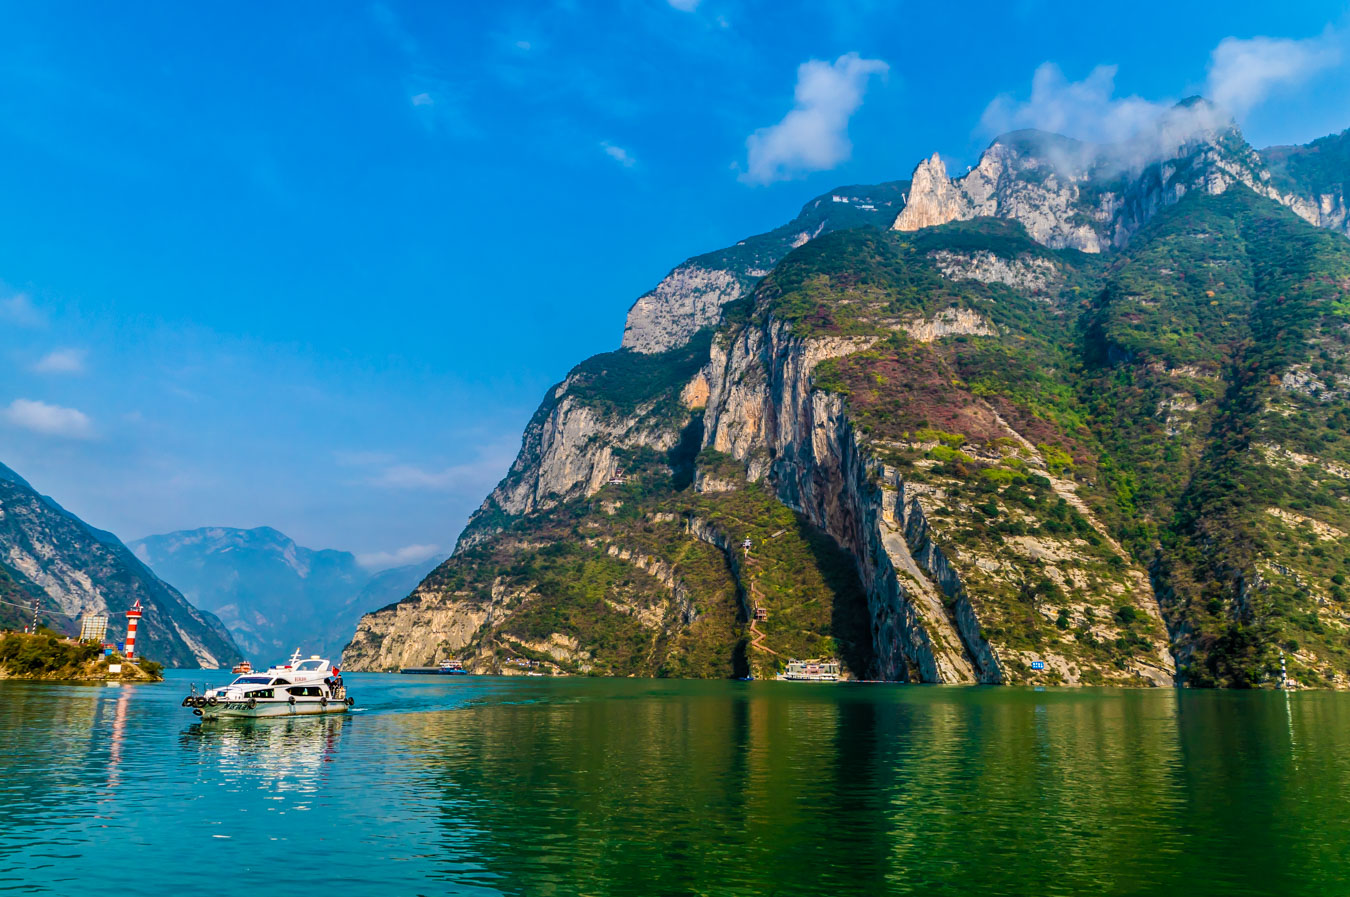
(813, 136)
(1242, 73)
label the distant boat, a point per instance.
(242, 666)
(811, 671)
(444, 668)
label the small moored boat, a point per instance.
(811, 671)
(444, 668)
(299, 688)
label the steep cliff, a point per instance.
(691, 297)
(1068, 194)
(73, 569)
(1071, 418)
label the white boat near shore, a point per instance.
(305, 687)
(811, 671)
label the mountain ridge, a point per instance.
(270, 592)
(49, 554)
(934, 395)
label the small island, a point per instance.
(50, 656)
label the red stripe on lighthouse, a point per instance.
(133, 619)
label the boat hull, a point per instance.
(268, 709)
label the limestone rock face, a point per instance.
(933, 198)
(949, 322)
(408, 633)
(687, 300)
(1070, 196)
(764, 411)
(1034, 275)
(566, 453)
(691, 297)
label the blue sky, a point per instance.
(312, 264)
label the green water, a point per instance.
(531, 786)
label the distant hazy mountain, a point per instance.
(271, 593)
(48, 553)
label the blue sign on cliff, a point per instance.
(1038, 664)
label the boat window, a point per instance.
(309, 665)
(305, 691)
(282, 682)
(251, 680)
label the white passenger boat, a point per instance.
(298, 688)
(811, 671)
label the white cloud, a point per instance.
(61, 361)
(1087, 109)
(423, 99)
(50, 420)
(470, 476)
(1243, 73)
(523, 46)
(684, 5)
(618, 154)
(410, 476)
(814, 135)
(408, 554)
(19, 309)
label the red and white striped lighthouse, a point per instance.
(133, 618)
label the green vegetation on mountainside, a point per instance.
(619, 584)
(1194, 391)
(1318, 168)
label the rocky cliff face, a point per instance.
(1069, 195)
(691, 297)
(75, 569)
(1013, 422)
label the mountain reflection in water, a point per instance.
(529, 786)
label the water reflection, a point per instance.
(288, 754)
(621, 787)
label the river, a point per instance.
(528, 786)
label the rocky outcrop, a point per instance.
(1071, 196)
(568, 451)
(691, 297)
(428, 624)
(764, 411)
(949, 322)
(933, 198)
(687, 300)
(1027, 273)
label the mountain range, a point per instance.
(272, 594)
(71, 568)
(1076, 416)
